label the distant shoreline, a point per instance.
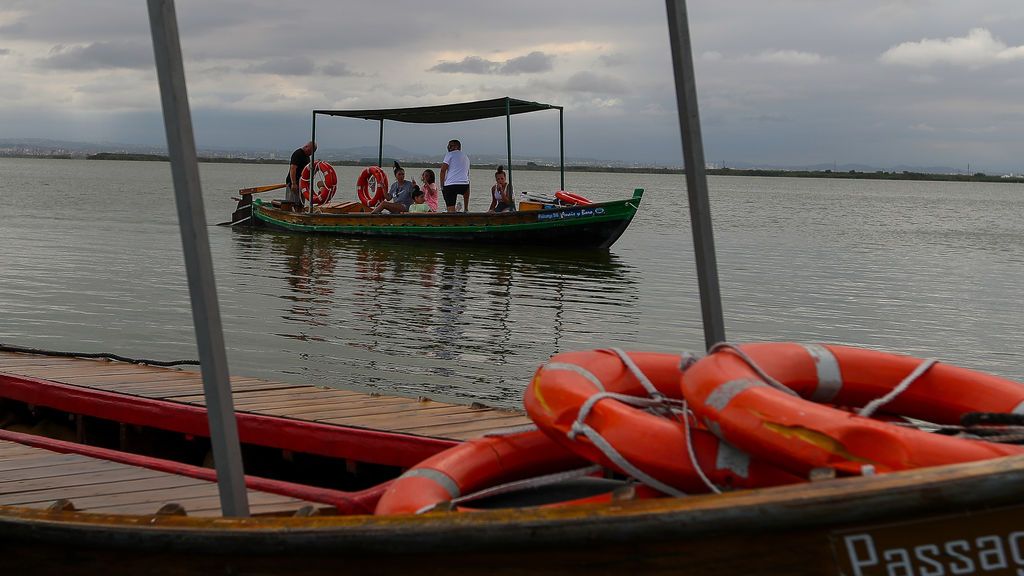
(850, 175)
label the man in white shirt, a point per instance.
(455, 176)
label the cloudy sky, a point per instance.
(783, 82)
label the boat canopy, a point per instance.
(460, 112)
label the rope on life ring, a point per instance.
(572, 199)
(370, 187)
(624, 411)
(325, 183)
(775, 401)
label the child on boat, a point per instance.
(419, 202)
(430, 188)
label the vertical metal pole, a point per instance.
(380, 146)
(508, 144)
(696, 179)
(561, 148)
(312, 169)
(181, 148)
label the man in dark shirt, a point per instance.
(300, 159)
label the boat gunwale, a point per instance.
(913, 495)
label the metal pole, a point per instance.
(312, 168)
(508, 145)
(696, 179)
(181, 148)
(561, 148)
(380, 146)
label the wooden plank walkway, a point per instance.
(36, 478)
(303, 402)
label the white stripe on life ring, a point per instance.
(830, 380)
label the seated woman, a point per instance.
(399, 196)
(501, 193)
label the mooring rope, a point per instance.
(107, 355)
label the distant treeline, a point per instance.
(852, 174)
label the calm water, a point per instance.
(91, 261)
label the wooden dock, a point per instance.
(35, 477)
(421, 417)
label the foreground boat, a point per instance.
(946, 519)
(596, 225)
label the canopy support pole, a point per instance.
(508, 141)
(312, 168)
(561, 148)
(380, 146)
(181, 148)
(696, 178)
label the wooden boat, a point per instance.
(953, 516)
(549, 222)
(596, 225)
(954, 519)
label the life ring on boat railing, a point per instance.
(798, 433)
(472, 466)
(325, 182)
(371, 177)
(573, 199)
(582, 401)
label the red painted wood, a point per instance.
(362, 502)
(359, 444)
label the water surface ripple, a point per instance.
(91, 261)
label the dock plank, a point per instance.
(252, 395)
(93, 484)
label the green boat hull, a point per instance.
(594, 226)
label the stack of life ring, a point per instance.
(749, 416)
(571, 198)
(371, 186)
(325, 183)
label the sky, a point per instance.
(780, 82)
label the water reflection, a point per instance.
(449, 319)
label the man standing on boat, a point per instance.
(300, 159)
(455, 176)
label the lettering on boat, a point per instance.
(570, 214)
(990, 543)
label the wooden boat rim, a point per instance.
(916, 493)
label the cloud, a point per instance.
(594, 83)
(468, 65)
(532, 63)
(291, 66)
(788, 57)
(613, 60)
(339, 69)
(977, 49)
(5, 51)
(99, 55)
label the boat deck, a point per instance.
(421, 417)
(37, 478)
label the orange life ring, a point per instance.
(375, 177)
(472, 466)
(326, 183)
(798, 434)
(573, 199)
(656, 445)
